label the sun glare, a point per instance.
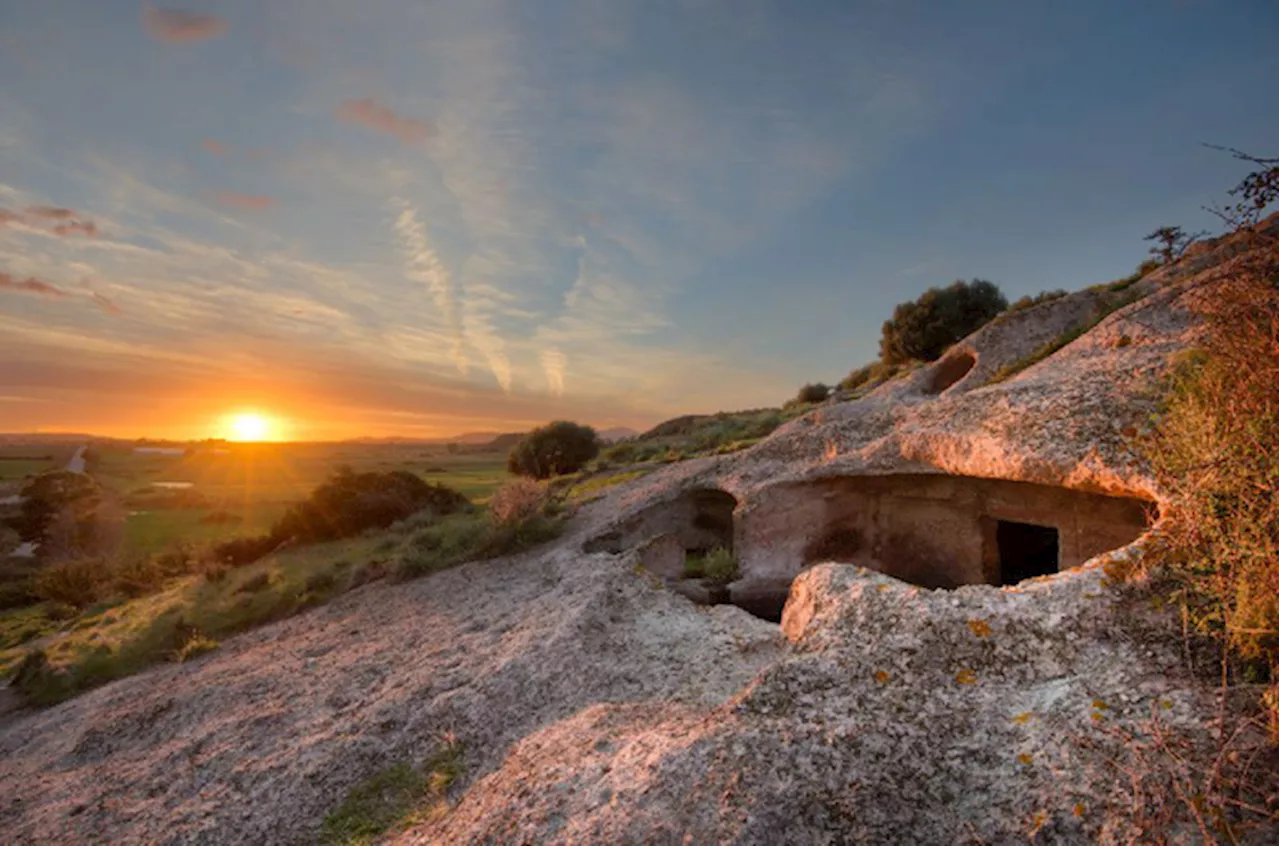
(249, 427)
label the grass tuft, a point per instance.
(394, 798)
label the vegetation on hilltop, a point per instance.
(558, 448)
(922, 329)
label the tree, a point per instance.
(924, 328)
(48, 495)
(810, 393)
(1170, 243)
(559, 447)
(1253, 195)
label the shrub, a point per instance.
(238, 551)
(137, 576)
(1028, 301)
(516, 501)
(718, 566)
(321, 582)
(472, 537)
(1215, 450)
(195, 645)
(620, 453)
(53, 493)
(811, 393)
(924, 328)
(870, 376)
(79, 582)
(552, 450)
(255, 583)
(349, 503)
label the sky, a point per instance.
(400, 217)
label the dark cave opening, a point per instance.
(1026, 551)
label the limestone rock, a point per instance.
(596, 705)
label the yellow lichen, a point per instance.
(1024, 759)
(1078, 810)
(979, 628)
(966, 677)
(1023, 718)
(881, 676)
(1037, 823)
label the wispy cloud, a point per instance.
(214, 147)
(553, 365)
(104, 303)
(30, 285)
(369, 112)
(76, 227)
(177, 26)
(236, 200)
(423, 265)
(50, 212)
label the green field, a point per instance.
(17, 461)
(240, 489)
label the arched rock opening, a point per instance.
(693, 523)
(950, 370)
(936, 531)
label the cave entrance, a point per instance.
(1026, 551)
(712, 521)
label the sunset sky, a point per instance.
(424, 218)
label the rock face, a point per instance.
(597, 705)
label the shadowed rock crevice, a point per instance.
(950, 370)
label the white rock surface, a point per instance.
(597, 707)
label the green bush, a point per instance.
(472, 537)
(1028, 301)
(924, 328)
(870, 376)
(553, 450)
(719, 566)
(811, 393)
(79, 582)
(620, 453)
(346, 505)
(50, 494)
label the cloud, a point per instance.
(236, 200)
(553, 365)
(30, 285)
(7, 217)
(176, 26)
(76, 227)
(213, 146)
(369, 112)
(425, 266)
(102, 302)
(50, 212)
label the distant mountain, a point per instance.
(617, 433)
(503, 442)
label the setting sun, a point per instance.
(250, 427)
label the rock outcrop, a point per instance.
(596, 705)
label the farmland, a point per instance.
(211, 494)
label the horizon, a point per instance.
(318, 225)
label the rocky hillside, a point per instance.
(593, 702)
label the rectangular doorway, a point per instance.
(1026, 551)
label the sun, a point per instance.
(249, 427)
